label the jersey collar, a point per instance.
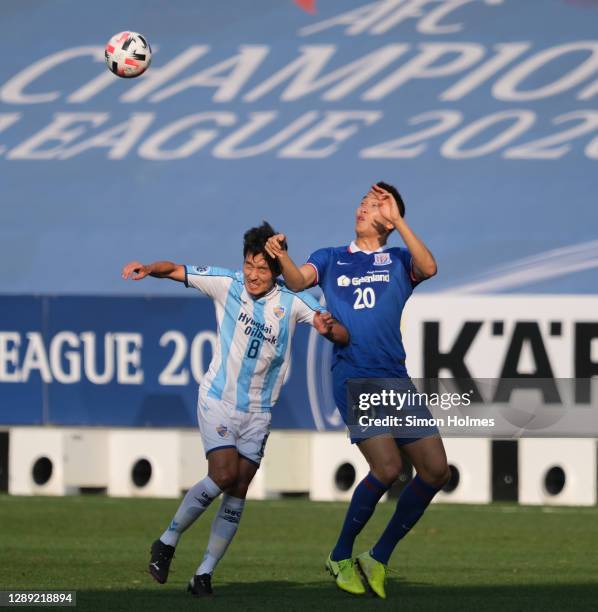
(353, 248)
(264, 298)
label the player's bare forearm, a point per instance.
(167, 269)
(293, 276)
(424, 264)
(158, 269)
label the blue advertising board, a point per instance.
(119, 361)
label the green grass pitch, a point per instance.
(496, 557)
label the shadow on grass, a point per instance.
(403, 596)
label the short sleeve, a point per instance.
(212, 281)
(407, 261)
(306, 307)
(319, 260)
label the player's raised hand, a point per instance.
(276, 246)
(387, 205)
(323, 323)
(135, 270)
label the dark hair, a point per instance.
(395, 193)
(254, 242)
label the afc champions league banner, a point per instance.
(482, 112)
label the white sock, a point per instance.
(197, 499)
(224, 527)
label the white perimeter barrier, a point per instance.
(163, 463)
(557, 471)
(143, 463)
(36, 461)
(85, 458)
(335, 466)
(471, 467)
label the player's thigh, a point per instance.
(341, 374)
(429, 459)
(247, 470)
(383, 456)
(218, 434)
(253, 430)
(216, 422)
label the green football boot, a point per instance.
(374, 572)
(345, 575)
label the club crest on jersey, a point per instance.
(279, 311)
(222, 431)
(382, 259)
(343, 281)
(201, 269)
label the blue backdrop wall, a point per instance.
(484, 113)
(119, 362)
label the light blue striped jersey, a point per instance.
(254, 337)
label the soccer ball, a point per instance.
(128, 54)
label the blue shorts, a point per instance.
(342, 372)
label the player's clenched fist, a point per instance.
(323, 323)
(276, 246)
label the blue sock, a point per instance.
(413, 502)
(365, 497)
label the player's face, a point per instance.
(368, 220)
(257, 274)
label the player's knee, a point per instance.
(387, 472)
(224, 477)
(446, 476)
(239, 488)
(437, 475)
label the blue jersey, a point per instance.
(366, 292)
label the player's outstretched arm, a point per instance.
(424, 264)
(296, 279)
(326, 325)
(135, 270)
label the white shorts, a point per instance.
(222, 426)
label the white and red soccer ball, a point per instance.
(128, 54)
